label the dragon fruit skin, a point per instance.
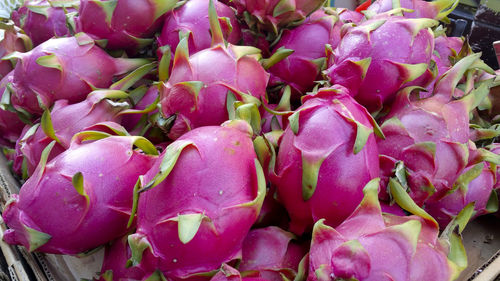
(42, 21)
(431, 135)
(123, 24)
(349, 16)
(445, 48)
(132, 121)
(361, 60)
(270, 253)
(303, 66)
(12, 39)
(192, 17)
(65, 124)
(115, 260)
(82, 197)
(314, 160)
(420, 9)
(64, 68)
(271, 15)
(495, 148)
(372, 246)
(10, 124)
(198, 216)
(198, 87)
(478, 190)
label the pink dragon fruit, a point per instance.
(431, 136)
(12, 39)
(202, 87)
(138, 119)
(495, 148)
(475, 184)
(88, 187)
(445, 49)
(200, 200)
(271, 253)
(10, 123)
(370, 245)
(61, 124)
(362, 60)
(349, 16)
(271, 15)
(122, 24)
(115, 260)
(302, 68)
(64, 68)
(437, 9)
(43, 19)
(329, 139)
(192, 19)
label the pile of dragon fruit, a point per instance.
(245, 139)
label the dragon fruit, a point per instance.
(88, 187)
(362, 59)
(200, 200)
(431, 136)
(437, 9)
(495, 148)
(271, 253)
(115, 260)
(192, 18)
(12, 39)
(329, 139)
(349, 16)
(138, 119)
(302, 68)
(61, 124)
(271, 15)
(44, 19)
(64, 68)
(474, 184)
(122, 24)
(370, 245)
(10, 124)
(202, 87)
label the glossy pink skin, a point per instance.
(217, 68)
(10, 43)
(270, 252)
(81, 65)
(308, 43)
(335, 197)
(444, 47)
(48, 202)
(193, 17)
(349, 16)
(263, 10)
(478, 190)
(357, 45)
(221, 159)
(130, 121)
(430, 259)
(387, 253)
(115, 258)
(39, 27)
(428, 120)
(422, 9)
(10, 124)
(67, 120)
(130, 18)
